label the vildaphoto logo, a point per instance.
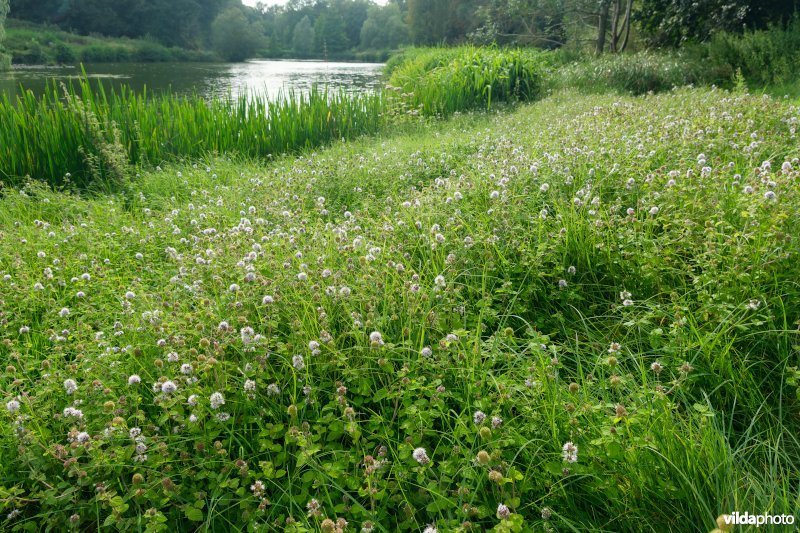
(726, 521)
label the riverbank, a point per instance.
(578, 315)
(36, 44)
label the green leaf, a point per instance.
(194, 514)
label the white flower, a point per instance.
(134, 379)
(186, 369)
(64, 312)
(217, 400)
(233, 288)
(439, 281)
(130, 295)
(569, 452)
(12, 406)
(71, 411)
(192, 400)
(258, 488)
(496, 422)
(70, 386)
(375, 338)
(426, 352)
(503, 511)
(267, 300)
(421, 456)
(478, 417)
(168, 387)
(298, 363)
(82, 437)
(24, 329)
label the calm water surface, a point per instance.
(206, 79)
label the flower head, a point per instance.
(503, 511)
(217, 400)
(569, 452)
(421, 456)
(70, 386)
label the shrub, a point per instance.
(101, 53)
(763, 57)
(150, 52)
(64, 54)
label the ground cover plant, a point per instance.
(581, 315)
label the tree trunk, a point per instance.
(602, 24)
(614, 25)
(626, 26)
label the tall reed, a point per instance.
(435, 81)
(49, 136)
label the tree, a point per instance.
(384, 28)
(354, 13)
(531, 22)
(303, 38)
(5, 59)
(329, 35)
(233, 36)
(427, 20)
(674, 22)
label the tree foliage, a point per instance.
(233, 36)
(673, 22)
(5, 60)
(340, 28)
(384, 28)
(303, 38)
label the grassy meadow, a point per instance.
(574, 314)
(407, 331)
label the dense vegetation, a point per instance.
(580, 315)
(361, 29)
(87, 136)
(32, 44)
(92, 132)
(5, 58)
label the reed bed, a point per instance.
(84, 133)
(440, 82)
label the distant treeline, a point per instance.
(363, 29)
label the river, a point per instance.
(255, 77)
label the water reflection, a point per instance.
(266, 78)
